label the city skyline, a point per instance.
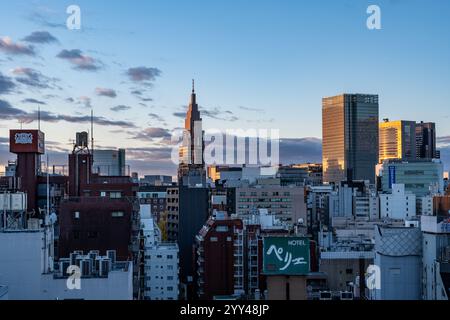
(139, 96)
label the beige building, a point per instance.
(287, 203)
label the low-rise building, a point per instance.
(436, 257)
(161, 265)
(399, 204)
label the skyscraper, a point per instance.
(426, 140)
(350, 137)
(191, 169)
(397, 140)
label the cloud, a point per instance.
(80, 61)
(218, 114)
(85, 101)
(8, 112)
(12, 48)
(150, 153)
(137, 92)
(120, 108)
(52, 117)
(300, 150)
(44, 21)
(33, 101)
(6, 85)
(143, 74)
(33, 78)
(156, 117)
(443, 140)
(40, 37)
(251, 109)
(151, 133)
(106, 92)
(181, 115)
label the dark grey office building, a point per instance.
(426, 140)
(193, 213)
(350, 137)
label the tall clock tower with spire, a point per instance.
(191, 170)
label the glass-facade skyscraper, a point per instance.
(426, 140)
(397, 140)
(350, 137)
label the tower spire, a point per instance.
(193, 86)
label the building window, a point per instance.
(76, 234)
(169, 267)
(117, 214)
(169, 288)
(214, 239)
(102, 194)
(76, 215)
(92, 234)
(169, 256)
(115, 195)
(169, 277)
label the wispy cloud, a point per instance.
(251, 109)
(33, 101)
(34, 78)
(6, 84)
(85, 101)
(104, 92)
(156, 117)
(218, 114)
(40, 16)
(443, 140)
(42, 37)
(80, 61)
(120, 108)
(151, 133)
(143, 75)
(13, 48)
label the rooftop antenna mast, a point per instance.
(92, 131)
(39, 117)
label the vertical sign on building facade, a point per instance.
(391, 176)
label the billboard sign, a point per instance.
(26, 141)
(392, 176)
(286, 256)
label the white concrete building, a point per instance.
(424, 206)
(399, 204)
(27, 270)
(436, 257)
(161, 262)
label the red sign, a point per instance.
(26, 141)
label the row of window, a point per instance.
(114, 214)
(265, 200)
(112, 194)
(265, 194)
(148, 278)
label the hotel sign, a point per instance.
(286, 256)
(26, 141)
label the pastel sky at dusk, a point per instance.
(257, 64)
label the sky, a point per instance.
(257, 64)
